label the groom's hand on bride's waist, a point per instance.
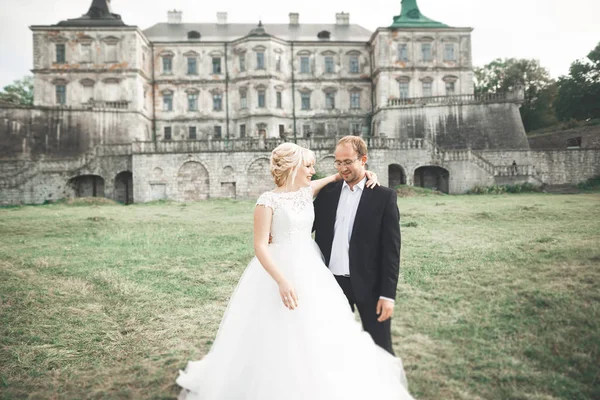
(385, 309)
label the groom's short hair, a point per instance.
(357, 143)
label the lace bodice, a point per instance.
(293, 214)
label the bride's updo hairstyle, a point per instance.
(285, 161)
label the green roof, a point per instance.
(411, 17)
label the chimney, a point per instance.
(221, 18)
(174, 17)
(342, 19)
(294, 19)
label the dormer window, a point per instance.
(324, 35)
(194, 35)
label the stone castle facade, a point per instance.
(188, 111)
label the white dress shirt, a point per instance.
(339, 264)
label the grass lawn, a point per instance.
(499, 296)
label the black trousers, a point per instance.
(381, 332)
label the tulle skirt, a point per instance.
(263, 351)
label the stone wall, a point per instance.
(33, 133)
(589, 136)
(455, 126)
(558, 167)
(183, 172)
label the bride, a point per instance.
(288, 332)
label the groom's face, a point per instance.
(352, 166)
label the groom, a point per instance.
(358, 231)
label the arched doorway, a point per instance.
(124, 187)
(430, 177)
(87, 186)
(260, 179)
(192, 182)
(396, 175)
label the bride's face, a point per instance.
(305, 173)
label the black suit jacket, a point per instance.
(374, 243)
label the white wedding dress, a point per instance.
(263, 351)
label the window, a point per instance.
(88, 93)
(192, 63)
(329, 66)
(354, 67)
(449, 52)
(426, 52)
(216, 65)
(354, 100)
(167, 65)
(404, 90)
(306, 130)
(217, 132)
(260, 60)
(192, 101)
(450, 88)
(574, 142)
(242, 130)
(355, 129)
(304, 65)
(193, 35)
(330, 100)
(281, 130)
(427, 89)
(111, 52)
(324, 35)
(305, 101)
(279, 101)
(168, 133)
(278, 63)
(243, 100)
(61, 94)
(217, 102)
(61, 54)
(261, 98)
(86, 52)
(167, 101)
(192, 133)
(242, 62)
(402, 52)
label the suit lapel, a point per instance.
(363, 206)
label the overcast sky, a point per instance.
(556, 32)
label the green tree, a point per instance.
(19, 92)
(504, 75)
(578, 94)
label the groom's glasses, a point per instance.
(345, 163)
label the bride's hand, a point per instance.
(372, 180)
(288, 295)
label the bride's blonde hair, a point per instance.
(285, 161)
